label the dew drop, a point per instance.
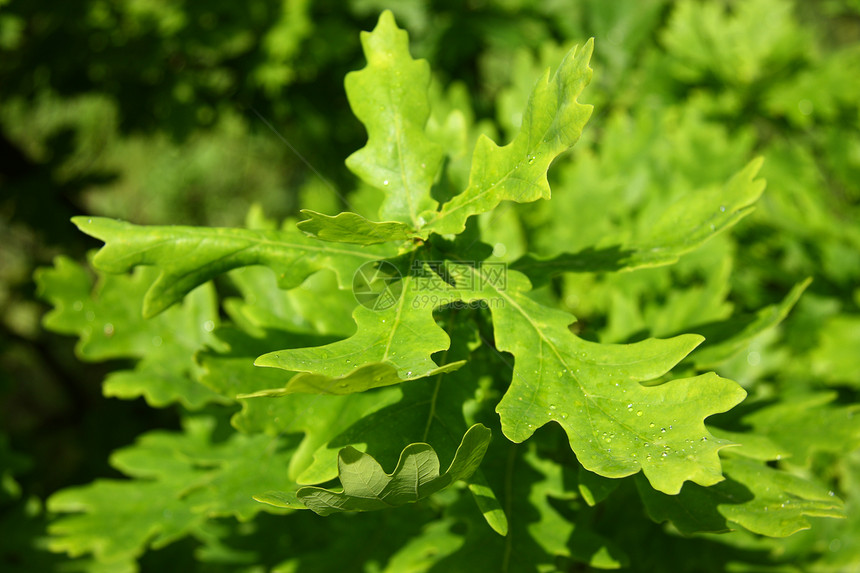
(552, 406)
(78, 306)
(639, 413)
(108, 329)
(722, 208)
(208, 326)
(651, 425)
(531, 159)
(386, 183)
(409, 373)
(663, 430)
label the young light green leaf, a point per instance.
(754, 496)
(726, 338)
(807, 424)
(836, 359)
(616, 426)
(389, 96)
(400, 331)
(353, 228)
(683, 227)
(688, 223)
(190, 256)
(366, 486)
(552, 122)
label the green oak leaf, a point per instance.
(231, 372)
(363, 378)
(683, 227)
(229, 369)
(542, 533)
(689, 222)
(432, 412)
(352, 228)
(552, 122)
(836, 359)
(754, 496)
(366, 486)
(389, 96)
(616, 425)
(401, 333)
(726, 338)
(190, 256)
(102, 526)
(107, 319)
(806, 424)
(317, 306)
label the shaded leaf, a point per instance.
(107, 319)
(182, 481)
(366, 486)
(352, 228)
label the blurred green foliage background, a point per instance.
(189, 112)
